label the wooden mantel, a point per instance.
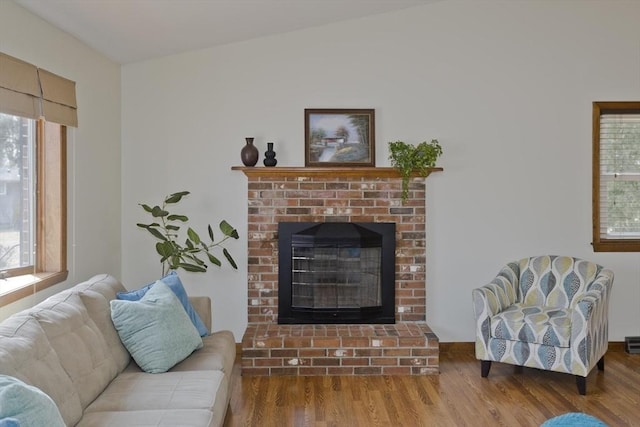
(286, 171)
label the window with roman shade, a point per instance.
(32, 92)
(36, 106)
(616, 176)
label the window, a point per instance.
(616, 176)
(33, 209)
(35, 108)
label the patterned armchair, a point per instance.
(545, 312)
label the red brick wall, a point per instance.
(325, 198)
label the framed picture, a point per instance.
(339, 137)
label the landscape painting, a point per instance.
(339, 137)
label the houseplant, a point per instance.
(408, 159)
(173, 255)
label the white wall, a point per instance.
(93, 148)
(505, 86)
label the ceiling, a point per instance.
(135, 30)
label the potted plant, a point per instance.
(173, 255)
(409, 159)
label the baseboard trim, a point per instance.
(469, 347)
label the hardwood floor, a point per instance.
(510, 396)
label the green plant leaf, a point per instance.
(193, 267)
(229, 258)
(146, 207)
(174, 217)
(156, 233)
(173, 227)
(189, 244)
(165, 249)
(195, 259)
(193, 236)
(228, 230)
(211, 233)
(158, 212)
(176, 197)
(214, 260)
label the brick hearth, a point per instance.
(330, 195)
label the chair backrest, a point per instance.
(554, 281)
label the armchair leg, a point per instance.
(485, 366)
(601, 364)
(581, 382)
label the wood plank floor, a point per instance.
(510, 396)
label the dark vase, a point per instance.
(249, 153)
(270, 156)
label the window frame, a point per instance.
(50, 261)
(599, 243)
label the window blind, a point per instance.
(19, 88)
(29, 91)
(620, 175)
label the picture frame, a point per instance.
(339, 137)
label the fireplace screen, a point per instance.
(336, 277)
(336, 273)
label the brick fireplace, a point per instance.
(282, 194)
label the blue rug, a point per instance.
(573, 419)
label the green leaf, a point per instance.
(143, 225)
(146, 207)
(228, 230)
(229, 258)
(214, 260)
(193, 236)
(165, 249)
(189, 244)
(195, 259)
(157, 211)
(156, 233)
(174, 217)
(211, 233)
(175, 197)
(192, 267)
(173, 227)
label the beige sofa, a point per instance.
(68, 347)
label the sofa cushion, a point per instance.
(139, 391)
(96, 294)
(81, 347)
(26, 354)
(155, 418)
(173, 281)
(27, 404)
(537, 325)
(156, 330)
(217, 353)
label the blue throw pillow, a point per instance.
(173, 281)
(155, 330)
(23, 404)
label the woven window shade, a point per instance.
(29, 91)
(58, 99)
(19, 88)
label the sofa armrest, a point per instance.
(202, 306)
(499, 294)
(591, 311)
(490, 300)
